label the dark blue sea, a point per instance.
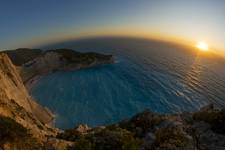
(147, 74)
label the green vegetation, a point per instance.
(82, 144)
(70, 135)
(84, 58)
(171, 139)
(215, 118)
(109, 138)
(14, 135)
(22, 55)
(142, 123)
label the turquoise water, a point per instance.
(146, 75)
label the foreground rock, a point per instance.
(202, 130)
(24, 124)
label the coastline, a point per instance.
(36, 73)
(30, 83)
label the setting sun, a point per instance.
(203, 46)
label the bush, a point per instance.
(171, 139)
(69, 135)
(142, 123)
(82, 144)
(23, 55)
(84, 58)
(15, 135)
(109, 139)
(215, 118)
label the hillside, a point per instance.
(22, 55)
(15, 102)
(33, 64)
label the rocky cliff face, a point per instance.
(24, 124)
(16, 103)
(36, 63)
(42, 65)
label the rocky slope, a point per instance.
(17, 107)
(16, 103)
(24, 124)
(202, 130)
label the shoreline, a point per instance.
(29, 84)
(32, 82)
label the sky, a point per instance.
(28, 23)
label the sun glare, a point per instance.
(203, 46)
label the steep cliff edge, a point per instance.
(24, 124)
(16, 103)
(35, 63)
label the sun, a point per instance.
(203, 46)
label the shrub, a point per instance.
(215, 118)
(15, 135)
(70, 135)
(142, 123)
(85, 58)
(109, 138)
(23, 55)
(171, 139)
(82, 144)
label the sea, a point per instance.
(147, 74)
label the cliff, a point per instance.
(24, 124)
(15, 102)
(33, 64)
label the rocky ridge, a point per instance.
(201, 130)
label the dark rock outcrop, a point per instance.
(152, 131)
(18, 110)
